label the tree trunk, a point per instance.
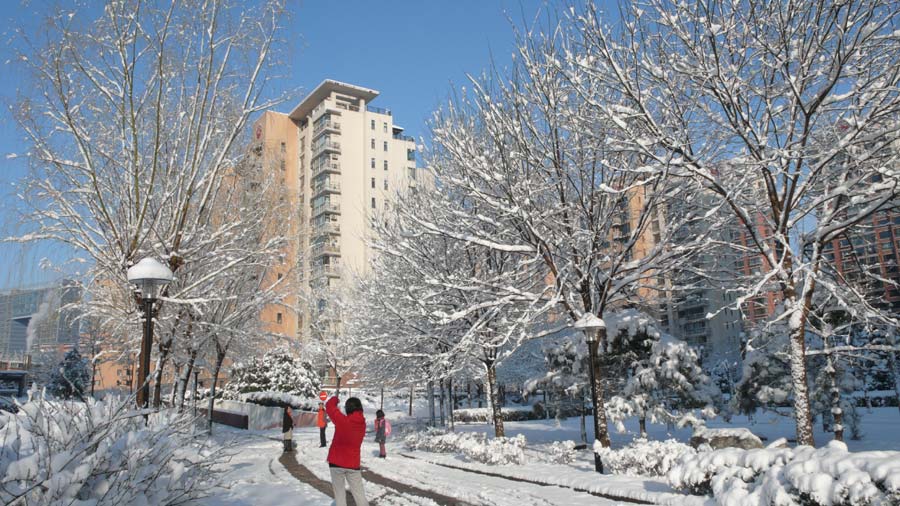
(431, 414)
(220, 357)
(582, 397)
(494, 398)
(165, 349)
(185, 378)
(469, 393)
(381, 406)
(452, 404)
(337, 385)
(835, 397)
(895, 370)
(410, 399)
(799, 380)
(441, 400)
(642, 423)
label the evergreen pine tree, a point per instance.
(72, 378)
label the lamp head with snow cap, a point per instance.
(590, 324)
(149, 276)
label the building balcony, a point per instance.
(326, 271)
(326, 187)
(326, 209)
(325, 248)
(327, 228)
(326, 147)
(401, 137)
(378, 110)
(326, 127)
(326, 168)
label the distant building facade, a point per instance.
(37, 319)
(340, 161)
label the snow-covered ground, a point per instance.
(257, 477)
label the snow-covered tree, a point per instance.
(765, 377)
(530, 157)
(785, 112)
(663, 378)
(72, 377)
(135, 123)
(276, 371)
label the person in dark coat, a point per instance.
(380, 432)
(287, 429)
(343, 455)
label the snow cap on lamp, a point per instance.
(149, 275)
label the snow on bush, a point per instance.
(485, 415)
(276, 371)
(475, 446)
(644, 458)
(100, 453)
(777, 475)
(562, 452)
(269, 398)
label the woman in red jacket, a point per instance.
(343, 456)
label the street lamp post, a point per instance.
(150, 277)
(594, 331)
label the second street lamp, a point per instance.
(595, 331)
(150, 277)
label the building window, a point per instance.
(385, 184)
(373, 143)
(373, 124)
(280, 275)
(412, 172)
(385, 165)
(385, 145)
(385, 127)
(411, 155)
(373, 202)
(283, 165)
(283, 147)
(373, 182)
(279, 318)
(373, 163)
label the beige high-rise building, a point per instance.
(340, 160)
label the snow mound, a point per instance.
(786, 476)
(643, 457)
(473, 445)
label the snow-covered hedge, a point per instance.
(269, 398)
(644, 458)
(777, 475)
(100, 453)
(475, 446)
(484, 415)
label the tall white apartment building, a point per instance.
(340, 160)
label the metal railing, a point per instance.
(378, 110)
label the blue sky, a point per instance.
(413, 52)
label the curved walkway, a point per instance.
(299, 471)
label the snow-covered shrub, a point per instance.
(281, 399)
(644, 458)
(276, 371)
(562, 452)
(777, 475)
(473, 445)
(100, 453)
(485, 415)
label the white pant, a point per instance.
(354, 479)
